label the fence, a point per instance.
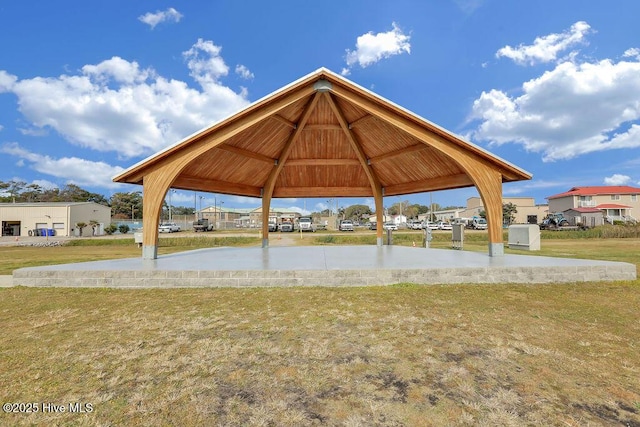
(184, 221)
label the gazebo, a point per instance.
(322, 136)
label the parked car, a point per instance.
(444, 226)
(373, 225)
(272, 226)
(168, 227)
(430, 225)
(346, 225)
(390, 226)
(414, 224)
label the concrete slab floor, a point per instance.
(322, 265)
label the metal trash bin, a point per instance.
(389, 237)
(427, 237)
(457, 236)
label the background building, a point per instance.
(527, 211)
(59, 219)
(616, 203)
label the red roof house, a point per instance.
(616, 202)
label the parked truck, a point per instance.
(202, 225)
(306, 224)
(478, 223)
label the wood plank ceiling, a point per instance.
(330, 153)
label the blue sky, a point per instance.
(88, 89)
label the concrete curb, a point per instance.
(6, 281)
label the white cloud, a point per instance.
(468, 6)
(43, 183)
(300, 210)
(547, 48)
(371, 48)
(371, 203)
(153, 19)
(117, 70)
(569, 111)
(617, 179)
(183, 198)
(205, 62)
(244, 72)
(525, 187)
(7, 81)
(118, 106)
(634, 52)
(320, 206)
(74, 170)
(244, 200)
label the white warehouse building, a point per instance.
(53, 219)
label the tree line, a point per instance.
(361, 212)
(129, 205)
(123, 205)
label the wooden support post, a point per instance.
(489, 186)
(155, 186)
(266, 205)
(379, 216)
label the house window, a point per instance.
(615, 197)
(634, 197)
(585, 202)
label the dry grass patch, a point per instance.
(402, 355)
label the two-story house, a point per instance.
(597, 205)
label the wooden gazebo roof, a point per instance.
(326, 137)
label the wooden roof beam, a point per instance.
(215, 186)
(323, 192)
(392, 154)
(362, 120)
(288, 146)
(322, 162)
(435, 184)
(284, 121)
(246, 153)
(357, 148)
(322, 127)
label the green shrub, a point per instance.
(111, 228)
(602, 232)
(123, 228)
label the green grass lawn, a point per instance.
(404, 355)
